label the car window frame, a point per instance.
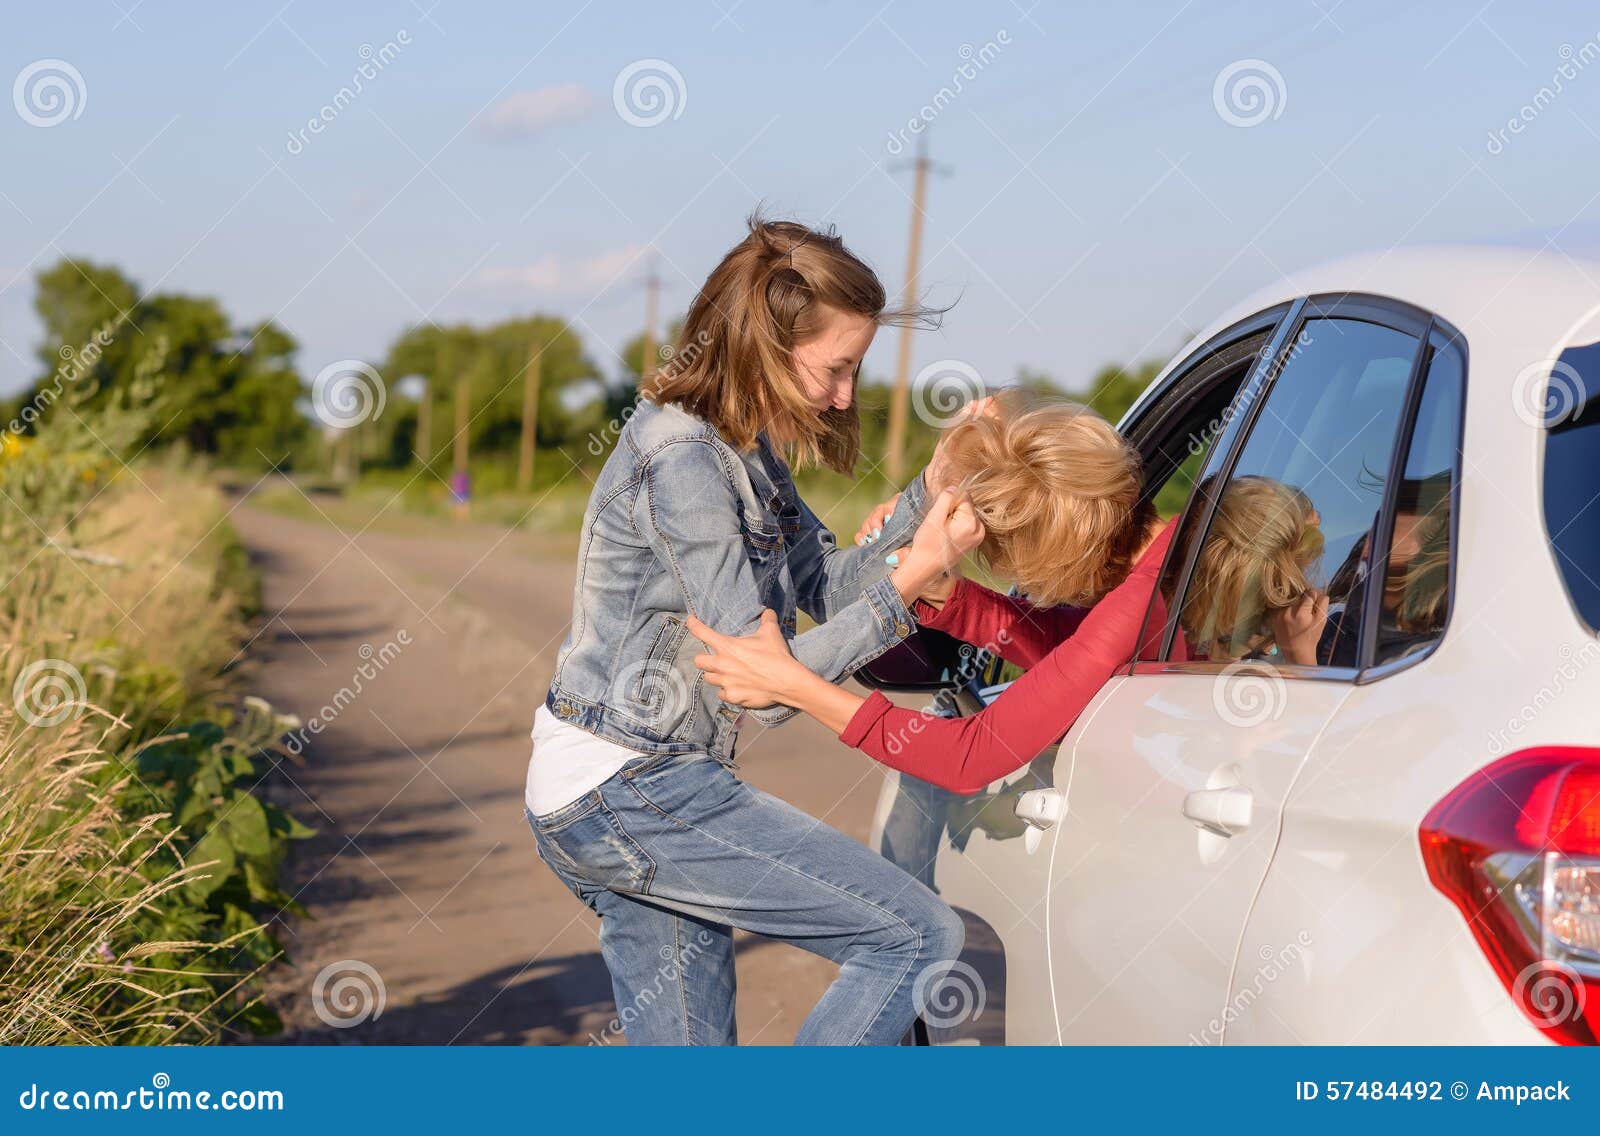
(1442, 337)
(1244, 413)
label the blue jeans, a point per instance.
(673, 852)
(915, 827)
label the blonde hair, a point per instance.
(733, 364)
(1256, 559)
(1059, 493)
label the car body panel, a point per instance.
(1146, 907)
(1386, 958)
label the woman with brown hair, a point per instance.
(630, 791)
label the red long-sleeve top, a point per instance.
(1070, 654)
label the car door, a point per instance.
(1174, 779)
(976, 851)
(1345, 889)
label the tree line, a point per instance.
(233, 392)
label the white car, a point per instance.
(1397, 844)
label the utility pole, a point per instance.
(900, 397)
(531, 377)
(652, 303)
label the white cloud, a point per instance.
(528, 113)
(552, 273)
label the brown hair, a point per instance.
(767, 296)
(1256, 559)
(1424, 581)
(1059, 493)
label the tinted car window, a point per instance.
(1416, 583)
(1286, 548)
(1572, 475)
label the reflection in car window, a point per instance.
(1416, 585)
(1286, 551)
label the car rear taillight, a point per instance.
(1516, 847)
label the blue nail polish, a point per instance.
(877, 532)
(868, 539)
(892, 560)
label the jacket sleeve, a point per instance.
(694, 531)
(829, 578)
(966, 754)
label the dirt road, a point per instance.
(442, 641)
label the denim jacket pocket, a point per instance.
(654, 693)
(768, 551)
(764, 543)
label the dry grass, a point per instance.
(116, 622)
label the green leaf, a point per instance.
(286, 826)
(192, 810)
(212, 846)
(262, 888)
(246, 823)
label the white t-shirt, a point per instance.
(567, 762)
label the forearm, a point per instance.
(831, 705)
(965, 754)
(829, 578)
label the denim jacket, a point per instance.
(681, 522)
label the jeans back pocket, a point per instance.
(597, 849)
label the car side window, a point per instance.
(1571, 457)
(1416, 581)
(1278, 571)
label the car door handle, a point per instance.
(1040, 808)
(1225, 812)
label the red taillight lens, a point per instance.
(1516, 847)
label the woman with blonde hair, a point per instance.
(1054, 497)
(630, 791)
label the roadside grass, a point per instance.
(137, 861)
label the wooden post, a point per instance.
(424, 439)
(531, 377)
(463, 420)
(899, 399)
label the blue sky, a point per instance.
(1096, 204)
